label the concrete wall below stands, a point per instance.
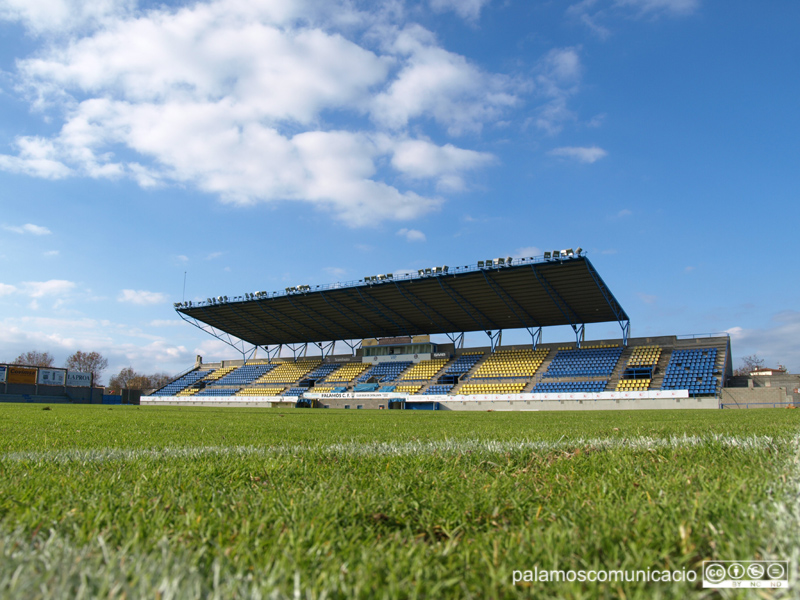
(759, 397)
(545, 405)
(27, 399)
(444, 404)
(354, 403)
(217, 402)
(49, 393)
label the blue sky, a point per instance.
(254, 145)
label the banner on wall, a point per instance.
(76, 379)
(3, 370)
(51, 377)
(21, 375)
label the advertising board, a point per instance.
(76, 379)
(51, 376)
(21, 375)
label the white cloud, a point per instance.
(242, 99)
(141, 297)
(558, 77)
(412, 235)
(43, 16)
(119, 343)
(647, 298)
(28, 228)
(587, 155)
(166, 323)
(53, 287)
(660, 7)
(335, 272)
(441, 85)
(526, 252)
(213, 255)
(6, 289)
(775, 345)
(469, 10)
(593, 13)
(422, 159)
(36, 157)
(50, 253)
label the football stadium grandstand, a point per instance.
(387, 322)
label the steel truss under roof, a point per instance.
(529, 293)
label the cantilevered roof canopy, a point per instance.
(523, 293)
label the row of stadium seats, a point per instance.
(322, 371)
(289, 372)
(464, 363)
(491, 388)
(511, 363)
(347, 373)
(424, 370)
(639, 369)
(438, 389)
(567, 387)
(692, 370)
(172, 388)
(245, 375)
(262, 391)
(591, 362)
(386, 371)
(219, 373)
(633, 385)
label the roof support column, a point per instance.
(295, 348)
(271, 353)
(353, 347)
(227, 338)
(536, 336)
(622, 317)
(559, 301)
(457, 339)
(495, 339)
(326, 349)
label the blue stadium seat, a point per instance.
(183, 382)
(692, 370)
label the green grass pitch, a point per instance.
(157, 502)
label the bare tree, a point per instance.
(88, 362)
(34, 358)
(749, 364)
(159, 380)
(129, 379)
(121, 380)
